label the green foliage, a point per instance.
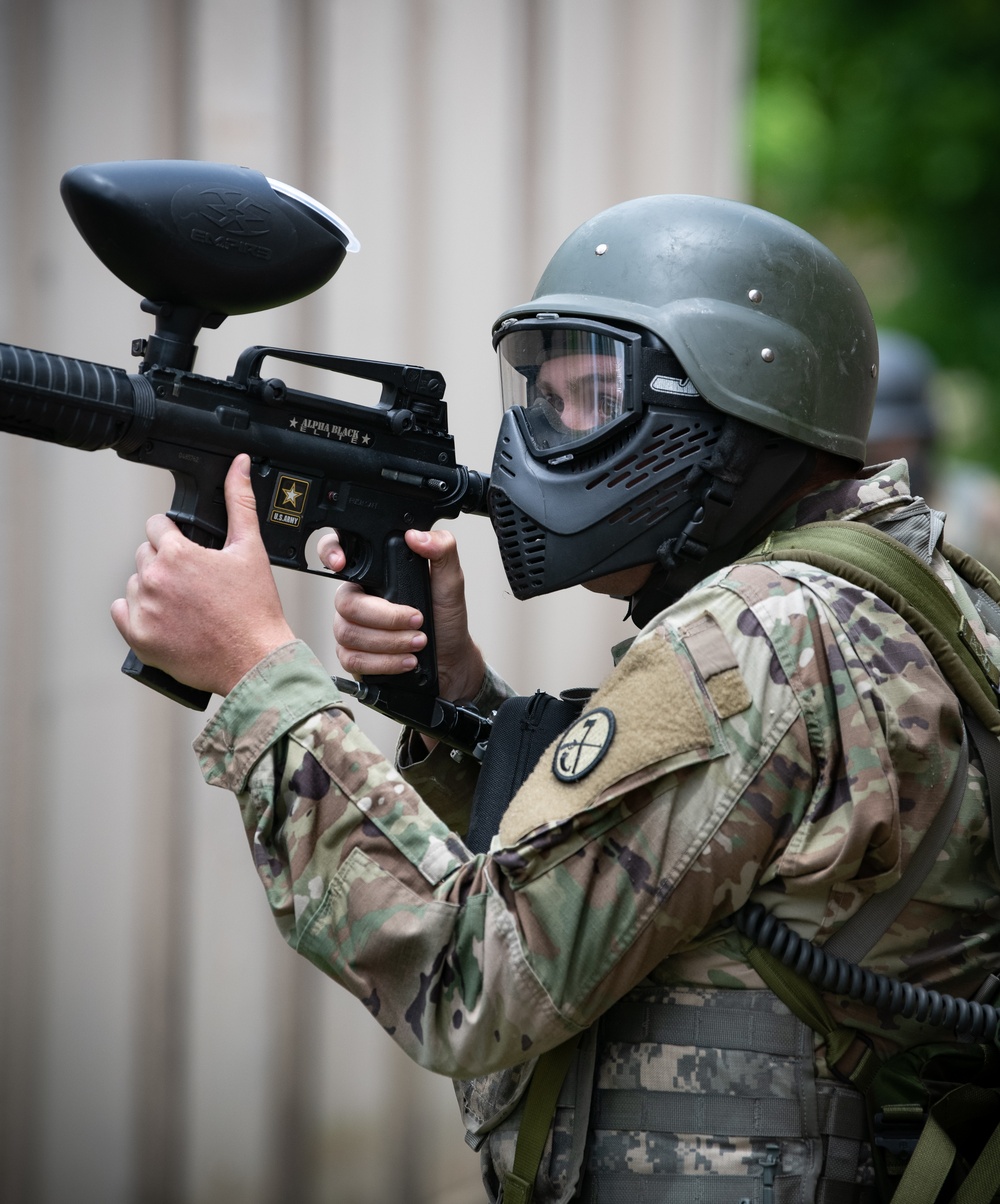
(876, 126)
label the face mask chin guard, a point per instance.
(569, 382)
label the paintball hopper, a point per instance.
(200, 241)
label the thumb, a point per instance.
(241, 505)
(440, 548)
(436, 546)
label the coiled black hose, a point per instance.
(970, 1020)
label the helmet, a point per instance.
(681, 361)
(902, 402)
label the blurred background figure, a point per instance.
(903, 424)
(908, 424)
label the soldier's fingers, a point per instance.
(367, 664)
(378, 640)
(158, 528)
(120, 607)
(359, 609)
(432, 545)
(447, 577)
(145, 553)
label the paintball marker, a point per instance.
(202, 241)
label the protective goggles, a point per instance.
(568, 380)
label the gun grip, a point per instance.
(163, 683)
(407, 580)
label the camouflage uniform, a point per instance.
(776, 733)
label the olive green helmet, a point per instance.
(768, 324)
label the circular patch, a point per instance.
(584, 745)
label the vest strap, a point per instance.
(536, 1121)
(848, 1055)
(935, 1152)
(637, 1021)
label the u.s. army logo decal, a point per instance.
(289, 501)
(584, 745)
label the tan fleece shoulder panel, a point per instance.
(657, 715)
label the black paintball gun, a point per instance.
(202, 241)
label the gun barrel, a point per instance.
(72, 402)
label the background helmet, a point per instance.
(903, 423)
(902, 402)
(728, 343)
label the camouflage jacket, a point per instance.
(776, 732)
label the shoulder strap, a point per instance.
(882, 565)
(960, 1111)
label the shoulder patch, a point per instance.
(584, 745)
(716, 662)
(657, 714)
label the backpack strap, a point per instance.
(935, 1152)
(881, 565)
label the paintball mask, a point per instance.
(681, 363)
(600, 434)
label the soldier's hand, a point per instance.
(376, 637)
(205, 617)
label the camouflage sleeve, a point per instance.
(739, 744)
(474, 963)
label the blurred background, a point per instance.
(877, 127)
(158, 1041)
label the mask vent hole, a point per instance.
(650, 509)
(521, 543)
(671, 452)
(670, 446)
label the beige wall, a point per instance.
(158, 1041)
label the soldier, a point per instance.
(905, 426)
(691, 375)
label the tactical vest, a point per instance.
(695, 1094)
